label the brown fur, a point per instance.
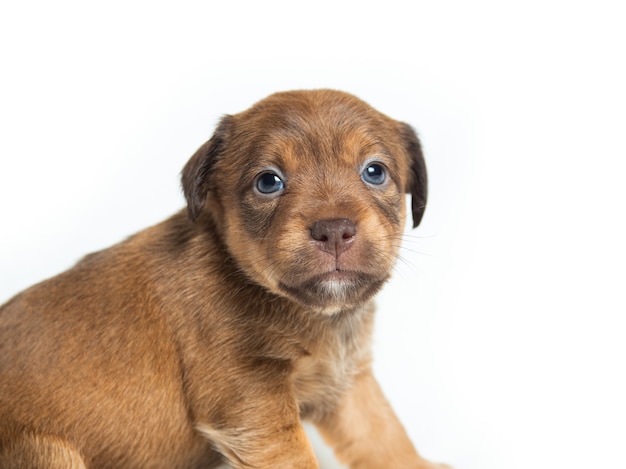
(215, 333)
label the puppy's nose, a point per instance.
(334, 236)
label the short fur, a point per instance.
(212, 335)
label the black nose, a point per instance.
(334, 236)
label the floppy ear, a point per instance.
(196, 175)
(418, 181)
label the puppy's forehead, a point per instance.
(313, 125)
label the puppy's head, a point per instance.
(307, 191)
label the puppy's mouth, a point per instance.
(334, 290)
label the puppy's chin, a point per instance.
(335, 291)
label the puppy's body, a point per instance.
(214, 333)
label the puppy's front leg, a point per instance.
(365, 432)
(246, 448)
(260, 427)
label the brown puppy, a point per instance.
(215, 333)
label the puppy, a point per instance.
(210, 337)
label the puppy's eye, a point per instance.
(374, 173)
(269, 183)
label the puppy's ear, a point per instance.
(197, 177)
(418, 181)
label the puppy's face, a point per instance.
(307, 191)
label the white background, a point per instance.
(500, 342)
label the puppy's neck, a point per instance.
(199, 246)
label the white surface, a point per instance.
(500, 340)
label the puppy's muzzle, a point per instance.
(334, 236)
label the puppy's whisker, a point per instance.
(415, 236)
(415, 251)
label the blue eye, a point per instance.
(374, 174)
(269, 183)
